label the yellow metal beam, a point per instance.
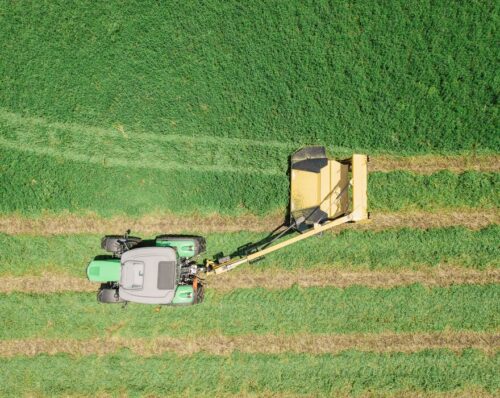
(231, 264)
(359, 187)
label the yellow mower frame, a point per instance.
(324, 193)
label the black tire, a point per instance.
(111, 244)
(108, 295)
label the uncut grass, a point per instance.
(295, 310)
(396, 76)
(164, 153)
(349, 249)
(350, 372)
(31, 183)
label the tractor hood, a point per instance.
(104, 270)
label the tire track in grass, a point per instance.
(259, 344)
(118, 132)
(67, 223)
(124, 162)
(45, 137)
(249, 277)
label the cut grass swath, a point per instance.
(302, 343)
(66, 223)
(279, 278)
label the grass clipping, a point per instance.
(258, 344)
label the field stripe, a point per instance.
(259, 344)
(279, 279)
(67, 223)
(41, 187)
(459, 393)
(428, 164)
(322, 277)
(43, 136)
(349, 373)
(119, 133)
(124, 162)
(326, 310)
(395, 249)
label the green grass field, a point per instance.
(289, 311)
(391, 249)
(190, 109)
(404, 76)
(32, 183)
(251, 375)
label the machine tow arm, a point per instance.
(233, 263)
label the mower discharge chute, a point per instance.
(324, 193)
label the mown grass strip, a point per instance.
(70, 223)
(394, 249)
(399, 190)
(428, 164)
(322, 277)
(460, 393)
(296, 310)
(350, 372)
(259, 344)
(55, 184)
(247, 278)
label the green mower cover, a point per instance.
(106, 270)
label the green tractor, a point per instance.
(160, 271)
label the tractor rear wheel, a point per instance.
(108, 295)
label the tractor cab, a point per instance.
(150, 275)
